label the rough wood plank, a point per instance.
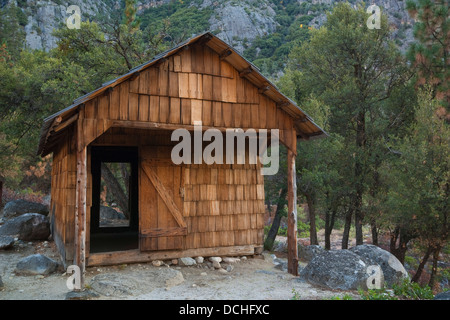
(292, 216)
(163, 232)
(165, 195)
(80, 209)
(144, 106)
(175, 110)
(135, 256)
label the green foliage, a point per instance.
(179, 20)
(430, 53)
(295, 295)
(377, 294)
(12, 35)
(343, 297)
(412, 291)
(406, 290)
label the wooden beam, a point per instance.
(136, 256)
(167, 126)
(205, 39)
(80, 206)
(66, 123)
(292, 215)
(264, 89)
(283, 104)
(224, 54)
(246, 71)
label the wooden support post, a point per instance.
(80, 208)
(292, 212)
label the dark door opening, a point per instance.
(114, 212)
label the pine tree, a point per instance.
(431, 54)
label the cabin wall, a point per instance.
(221, 205)
(192, 85)
(63, 195)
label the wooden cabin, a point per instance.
(167, 211)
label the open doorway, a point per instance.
(114, 212)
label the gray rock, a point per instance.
(337, 269)
(6, 242)
(16, 208)
(307, 253)
(280, 264)
(187, 261)
(216, 265)
(199, 260)
(29, 226)
(110, 213)
(113, 285)
(393, 270)
(442, 296)
(1, 282)
(81, 295)
(217, 259)
(36, 264)
(171, 277)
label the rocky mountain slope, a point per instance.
(236, 22)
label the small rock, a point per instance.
(175, 261)
(217, 259)
(1, 282)
(36, 264)
(229, 268)
(157, 263)
(173, 279)
(231, 260)
(187, 261)
(222, 271)
(244, 258)
(39, 276)
(199, 260)
(203, 274)
(216, 265)
(6, 242)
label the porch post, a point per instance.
(292, 209)
(80, 208)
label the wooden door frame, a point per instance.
(114, 154)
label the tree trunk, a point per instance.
(346, 234)
(436, 252)
(359, 186)
(403, 239)
(312, 220)
(113, 185)
(374, 233)
(268, 244)
(416, 277)
(329, 224)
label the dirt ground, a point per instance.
(250, 279)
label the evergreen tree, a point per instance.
(431, 54)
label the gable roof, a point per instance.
(306, 128)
